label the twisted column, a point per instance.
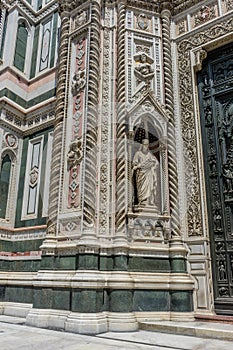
(2, 20)
(121, 161)
(89, 206)
(169, 103)
(60, 112)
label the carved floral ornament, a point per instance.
(204, 14)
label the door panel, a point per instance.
(215, 84)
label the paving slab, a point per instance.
(15, 336)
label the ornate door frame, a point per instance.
(191, 48)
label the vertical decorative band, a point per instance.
(58, 128)
(2, 20)
(121, 162)
(89, 205)
(168, 81)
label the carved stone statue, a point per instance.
(144, 70)
(145, 168)
(75, 153)
(228, 177)
(78, 82)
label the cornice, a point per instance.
(175, 6)
(182, 5)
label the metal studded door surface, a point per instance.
(215, 83)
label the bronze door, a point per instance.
(215, 85)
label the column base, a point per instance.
(15, 309)
(86, 323)
(47, 318)
(122, 322)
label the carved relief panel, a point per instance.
(215, 90)
(144, 67)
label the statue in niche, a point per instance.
(217, 220)
(143, 69)
(226, 127)
(145, 167)
(228, 177)
(222, 271)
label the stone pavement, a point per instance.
(14, 335)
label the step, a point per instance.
(214, 330)
(12, 319)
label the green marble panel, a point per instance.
(65, 262)
(43, 298)
(34, 51)
(178, 265)
(4, 184)
(88, 301)
(21, 46)
(106, 263)
(121, 300)
(2, 293)
(151, 300)
(27, 265)
(88, 262)
(20, 246)
(147, 264)
(181, 301)
(61, 299)
(47, 262)
(6, 246)
(54, 39)
(120, 262)
(19, 294)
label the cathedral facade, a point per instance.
(116, 162)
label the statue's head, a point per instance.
(145, 144)
(143, 58)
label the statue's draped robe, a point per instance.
(146, 177)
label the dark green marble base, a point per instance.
(151, 300)
(113, 263)
(99, 300)
(20, 246)
(52, 298)
(20, 265)
(18, 294)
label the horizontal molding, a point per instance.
(98, 280)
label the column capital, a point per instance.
(167, 5)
